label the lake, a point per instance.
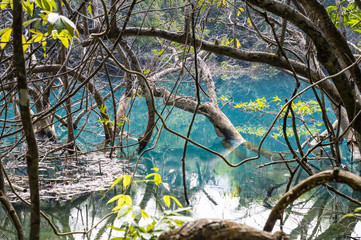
(244, 194)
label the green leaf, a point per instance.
(144, 214)
(116, 181)
(348, 215)
(5, 37)
(64, 41)
(122, 210)
(69, 25)
(25, 44)
(115, 198)
(166, 199)
(276, 98)
(52, 3)
(89, 9)
(238, 43)
(126, 181)
(149, 228)
(146, 71)
(161, 52)
(44, 4)
(3, 4)
(114, 228)
(44, 47)
(29, 7)
(127, 199)
(149, 175)
(157, 179)
(176, 201)
(331, 8)
(27, 23)
(224, 98)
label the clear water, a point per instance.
(244, 194)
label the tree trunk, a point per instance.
(32, 155)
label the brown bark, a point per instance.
(250, 56)
(32, 155)
(146, 137)
(65, 80)
(216, 229)
(97, 96)
(13, 215)
(332, 50)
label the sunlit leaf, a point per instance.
(149, 175)
(114, 228)
(126, 181)
(348, 215)
(5, 37)
(115, 198)
(69, 25)
(176, 201)
(25, 44)
(44, 47)
(64, 40)
(89, 9)
(116, 181)
(157, 179)
(276, 98)
(166, 199)
(224, 98)
(29, 7)
(149, 228)
(3, 4)
(27, 23)
(144, 214)
(161, 52)
(249, 22)
(238, 43)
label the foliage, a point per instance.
(111, 122)
(301, 109)
(59, 27)
(356, 213)
(131, 214)
(351, 16)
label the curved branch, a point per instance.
(98, 98)
(325, 50)
(336, 175)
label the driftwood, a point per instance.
(217, 229)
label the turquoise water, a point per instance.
(244, 194)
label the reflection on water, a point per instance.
(245, 194)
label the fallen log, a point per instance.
(218, 229)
